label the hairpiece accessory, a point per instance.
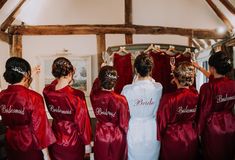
(111, 76)
(229, 61)
(18, 70)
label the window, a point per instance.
(205, 65)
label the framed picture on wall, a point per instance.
(82, 76)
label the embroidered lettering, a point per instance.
(141, 102)
(220, 98)
(99, 111)
(58, 110)
(181, 110)
(10, 110)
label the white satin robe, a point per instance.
(143, 98)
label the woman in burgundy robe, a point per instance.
(67, 106)
(216, 119)
(112, 113)
(176, 116)
(28, 131)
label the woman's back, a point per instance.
(112, 113)
(16, 105)
(23, 113)
(216, 119)
(143, 98)
(223, 90)
(105, 106)
(70, 116)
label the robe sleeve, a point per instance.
(82, 119)
(163, 116)
(40, 124)
(124, 115)
(159, 94)
(96, 87)
(204, 107)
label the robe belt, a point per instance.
(109, 124)
(18, 127)
(142, 118)
(57, 123)
(224, 111)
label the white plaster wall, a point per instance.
(37, 47)
(177, 13)
(228, 14)
(7, 9)
(167, 39)
(73, 12)
(114, 40)
(4, 54)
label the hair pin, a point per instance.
(109, 75)
(18, 70)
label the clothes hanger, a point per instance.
(157, 48)
(187, 50)
(151, 47)
(171, 50)
(188, 53)
(122, 50)
(107, 59)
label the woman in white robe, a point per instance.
(143, 97)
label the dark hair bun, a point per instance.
(108, 77)
(143, 64)
(61, 67)
(15, 70)
(220, 62)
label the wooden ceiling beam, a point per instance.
(70, 29)
(220, 15)
(4, 37)
(190, 41)
(128, 12)
(158, 30)
(112, 29)
(195, 44)
(228, 5)
(2, 2)
(231, 42)
(10, 19)
(202, 45)
(101, 48)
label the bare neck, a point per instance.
(216, 75)
(143, 78)
(62, 82)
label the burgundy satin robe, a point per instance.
(175, 125)
(71, 122)
(162, 69)
(216, 122)
(124, 69)
(159, 61)
(112, 113)
(28, 129)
